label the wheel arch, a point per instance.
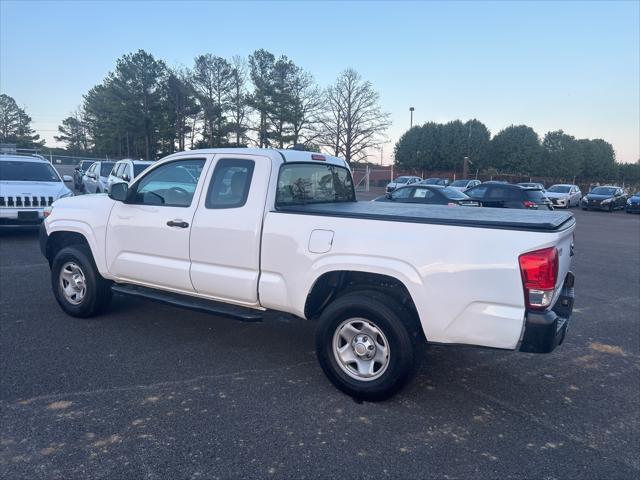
(61, 236)
(334, 283)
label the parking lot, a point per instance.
(150, 391)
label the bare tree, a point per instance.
(307, 108)
(239, 100)
(354, 122)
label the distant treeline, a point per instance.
(515, 150)
(143, 108)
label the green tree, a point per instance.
(180, 106)
(124, 113)
(73, 133)
(15, 125)
(516, 149)
(261, 65)
(212, 79)
(562, 156)
(598, 159)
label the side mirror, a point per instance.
(119, 192)
(67, 178)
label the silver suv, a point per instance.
(28, 184)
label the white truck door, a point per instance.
(147, 239)
(225, 237)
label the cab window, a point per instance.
(170, 185)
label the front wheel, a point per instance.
(368, 344)
(77, 285)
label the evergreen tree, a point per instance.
(15, 125)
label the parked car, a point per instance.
(79, 172)
(402, 182)
(287, 234)
(633, 203)
(564, 195)
(501, 182)
(464, 185)
(95, 179)
(428, 194)
(532, 185)
(505, 195)
(28, 184)
(436, 181)
(126, 170)
(607, 198)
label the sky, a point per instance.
(573, 66)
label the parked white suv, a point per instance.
(95, 179)
(126, 170)
(237, 232)
(28, 184)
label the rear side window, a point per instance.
(229, 187)
(105, 168)
(477, 192)
(300, 183)
(534, 195)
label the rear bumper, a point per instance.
(545, 330)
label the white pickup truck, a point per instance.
(237, 232)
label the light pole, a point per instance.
(411, 109)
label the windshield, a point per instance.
(603, 191)
(453, 194)
(559, 189)
(401, 180)
(301, 183)
(18, 171)
(138, 168)
(460, 183)
(105, 168)
(85, 165)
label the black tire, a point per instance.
(611, 207)
(97, 294)
(402, 331)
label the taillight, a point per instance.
(318, 157)
(539, 270)
(529, 204)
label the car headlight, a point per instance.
(629, 201)
(606, 200)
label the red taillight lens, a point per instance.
(529, 204)
(318, 157)
(539, 271)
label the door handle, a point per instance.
(177, 223)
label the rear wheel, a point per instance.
(368, 344)
(78, 287)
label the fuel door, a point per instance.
(320, 241)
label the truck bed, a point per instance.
(480, 217)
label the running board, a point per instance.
(244, 314)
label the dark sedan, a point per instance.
(505, 195)
(429, 194)
(79, 172)
(633, 203)
(607, 198)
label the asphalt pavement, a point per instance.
(155, 392)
